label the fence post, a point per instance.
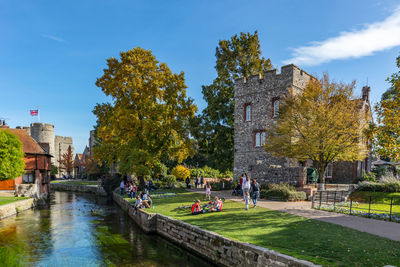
(369, 207)
(334, 201)
(351, 204)
(391, 204)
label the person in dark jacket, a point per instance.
(187, 182)
(254, 191)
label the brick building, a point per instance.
(257, 100)
(35, 181)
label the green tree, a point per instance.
(322, 123)
(238, 57)
(147, 119)
(11, 156)
(387, 130)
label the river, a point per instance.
(83, 230)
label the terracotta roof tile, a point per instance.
(30, 146)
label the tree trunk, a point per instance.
(142, 183)
(321, 174)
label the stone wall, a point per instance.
(260, 92)
(94, 189)
(214, 247)
(16, 207)
(61, 145)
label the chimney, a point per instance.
(365, 93)
(3, 124)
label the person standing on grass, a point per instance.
(247, 199)
(187, 182)
(246, 186)
(208, 191)
(122, 186)
(196, 182)
(201, 181)
(254, 191)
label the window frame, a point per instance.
(273, 101)
(329, 170)
(248, 105)
(259, 138)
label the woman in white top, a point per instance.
(246, 186)
(208, 191)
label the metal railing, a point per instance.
(377, 207)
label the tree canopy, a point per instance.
(11, 156)
(147, 119)
(387, 129)
(237, 57)
(322, 123)
(67, 161)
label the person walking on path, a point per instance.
(122, 186)
(208, 191)
(201, 181)
(254, 191)
(187, 182)
(196, 182)
(246, 186)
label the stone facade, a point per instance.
(256, 98)
(214, 247)
(260, 93)
(16, 207)
(61, 145)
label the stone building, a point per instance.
(56, 146)
(257, 100)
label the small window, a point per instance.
(259, 139)
(28, 178)
(328, 173)
(248, 112)
(276, 108)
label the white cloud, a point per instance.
(371, 38)
(52, 37)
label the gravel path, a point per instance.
(389, 230)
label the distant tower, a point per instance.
(43, 133)
(365, 93)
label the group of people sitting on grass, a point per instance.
(212, 206)
(130, 188)
(143, 201)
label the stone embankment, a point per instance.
(93, 189)
(16, 207)
(214, 247)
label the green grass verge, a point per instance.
(316, 241)
(75, 182)
(7, 200)
(380, 202)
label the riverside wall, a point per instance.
(94, 189)
(216, 248)
(16, 207)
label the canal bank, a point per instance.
(13, 208)
(93, 189)
(218, 249)
(84, 230)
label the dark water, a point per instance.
(82, 230)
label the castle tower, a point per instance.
(43, 133)
(61, 145)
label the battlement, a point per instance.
(273, 74)
(63, 139)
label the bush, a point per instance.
(167, 181)
(180, 172)
(210, 172)
(388, 183)
(159, 170)
(197, 172)
(217, 186)
(283, 192)
(370, 177)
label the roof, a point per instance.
(79, 155)
(29, 145)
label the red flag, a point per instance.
(34, 112)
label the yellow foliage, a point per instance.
(180, 172)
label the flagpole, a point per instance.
(38, 113)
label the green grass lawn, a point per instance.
(75, 182)
(316, 241)
(7, 200)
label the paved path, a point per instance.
(389, 230)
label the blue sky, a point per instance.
(51, 52)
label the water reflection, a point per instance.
(82, 230)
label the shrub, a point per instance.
(370, 177)
(217, 186)
(197, 172)
(180, 172)
(388, 183)
(159, 170)
(210, 172)
(167, 181)
(283, 192)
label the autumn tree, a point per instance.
(237, 57)
(322, 123)
(387, 128)
(147, 119)
(67, 161)
(11, 156)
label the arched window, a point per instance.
(259, 139)
(276, 108)
(247, 109)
